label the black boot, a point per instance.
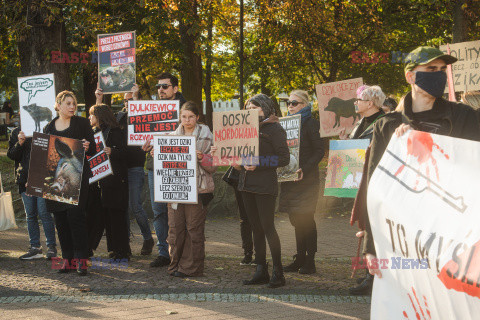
(277, 280)
(297, 263)
(309, 265)
(247, 259)
(364, 288)
(82, 267)
(260, 276)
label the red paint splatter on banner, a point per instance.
(419, 314)
(462, 273)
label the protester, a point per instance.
(299, 197)
(259, 187)
(167, 90)
(136, 175)
(7, 107)
(186, 222)
(472, 98)
(389, 105)
(421, 109)
(19, 150)
(114, 188)
(70, 219)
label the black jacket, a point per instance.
(79, 129)
(114, 188)
(135, 155)
(21, 155)
(273, 152)
(364, 128)
(302, 196)
(445, 118)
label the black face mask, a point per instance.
(432, 83)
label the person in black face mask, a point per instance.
(421, 109)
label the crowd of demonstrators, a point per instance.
(299, 198)
(19, 150)
(70, 220)
(113, 188)
(424, 109)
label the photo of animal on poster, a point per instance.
(116, 62)
(37, 102)
(56, 167)
(336, 106)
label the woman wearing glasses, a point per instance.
(299, 198)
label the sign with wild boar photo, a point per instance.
(336, 106)
(175, 169)
(116, 61)
(99, 163)
(236, 135)
(36, 95)
(146, 118)
(56, 167)
(292, 125)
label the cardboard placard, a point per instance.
(36, 95)
(56, 167)
(336, 106)
(466, 71)
(146, 118)
(116, 61)
(236, 135)
(292, 125)
(175, 169)
(99, 163)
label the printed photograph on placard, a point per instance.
(292, 125)
(56, 167)
(116, 61)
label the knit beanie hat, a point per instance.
(263, 101)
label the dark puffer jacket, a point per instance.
(302, 196)
(21, 155)
(273, 151)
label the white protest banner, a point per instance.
(423, 207)
(99, 163)
(146, 118)
(336, 106)
(292, 125)
(175, 169)
(236, 137)
(116, 61)
(36, 95)
(466, 71)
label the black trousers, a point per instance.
(95, 217)
(245, 228)
(305, 233)
(116, 226)
(260, 211)
(72, 233)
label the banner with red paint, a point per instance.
(423, 207)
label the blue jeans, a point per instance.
(160, 219)
(136, 177)
(35, 207)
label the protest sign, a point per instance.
(236, 137)
(56, 167)
(292, 126)
(99, 163)
(345, 167)
(116, 61)
(423, 208)
(336, 106)
(36, 95)
(175, 169)
(146, 118)
(466, 71)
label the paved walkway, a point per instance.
(32, 289)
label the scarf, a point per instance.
(305, 112)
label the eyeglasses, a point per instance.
(164, 86)
(356, 100)
(294, 103)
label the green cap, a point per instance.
(424, 55)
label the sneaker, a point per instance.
(160, 261)
(247, 260)
(51, 253)
(147, 247)
(33, 253)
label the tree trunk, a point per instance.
(241, 57)
(459, 22)
(191, 68)
(37, 42)
(208, 74)
(90, 79)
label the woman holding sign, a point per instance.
(114, 188)
(299, 197)
(258, 185)
(70, 219)
(186, 222)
